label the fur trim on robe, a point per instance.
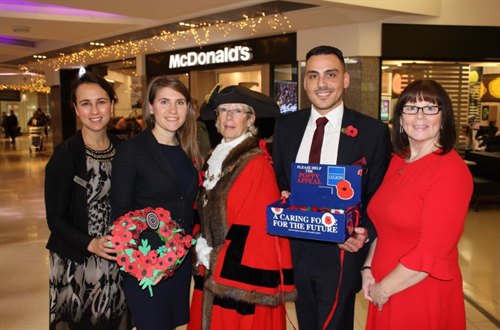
(228, 276)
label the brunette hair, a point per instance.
(430, 91)
(91, 78)
(186, 134)
(326, 50)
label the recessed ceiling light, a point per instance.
(21, 28)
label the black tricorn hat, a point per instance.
(264, 106)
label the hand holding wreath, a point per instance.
(139, 260)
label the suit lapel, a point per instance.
(295, 139)
(347, 144)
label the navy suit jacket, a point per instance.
(143, 176)
(372, 142)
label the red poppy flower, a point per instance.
(118, 242)
(350, 131)
(328, 220)
(132, 269)
(170, 258)
(188, 241)
(125, 235)
(171, 244)
(165, 232)
(152, 256)
(344, 190)
(141, 226)
(144, 272)
(123, 260)
(117, 230)
(163, 214)
(137, 255)
(180, 251)
(161, 264)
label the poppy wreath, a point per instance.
(141, 261)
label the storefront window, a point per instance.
(474, 89)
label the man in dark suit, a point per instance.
(349, 137)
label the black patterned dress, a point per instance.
(89, 295)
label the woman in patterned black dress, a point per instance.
(85, 281)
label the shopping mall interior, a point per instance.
(259, 44)
(24, 260)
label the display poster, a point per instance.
(285, 93)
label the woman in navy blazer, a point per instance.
(158, 168)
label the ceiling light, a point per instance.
(21, 28)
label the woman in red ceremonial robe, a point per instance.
(248, 273)
(419, 211)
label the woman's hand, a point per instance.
(102, 247)
(158, 279)
(378, 295)
(368, 283)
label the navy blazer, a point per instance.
(144, 177)
(66, 200)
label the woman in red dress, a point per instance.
(411, 275)
(248, 273)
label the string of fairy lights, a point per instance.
(33, 84)
(199, 33)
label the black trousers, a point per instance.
(316, 274)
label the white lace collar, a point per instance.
(213, 173)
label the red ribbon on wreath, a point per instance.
(140, 260)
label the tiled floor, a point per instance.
(24, 262)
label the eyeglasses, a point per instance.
(236, 112)
(426, 110)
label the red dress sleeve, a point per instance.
(444, 209)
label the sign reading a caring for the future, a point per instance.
(324, 203)
(219, 56)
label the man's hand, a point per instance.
(356, 242)
(285, 194)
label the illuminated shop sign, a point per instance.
(220, 56)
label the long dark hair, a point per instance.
(186, 134)
(430, 91)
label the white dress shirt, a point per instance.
(330, 146)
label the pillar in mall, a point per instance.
(363, 93)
